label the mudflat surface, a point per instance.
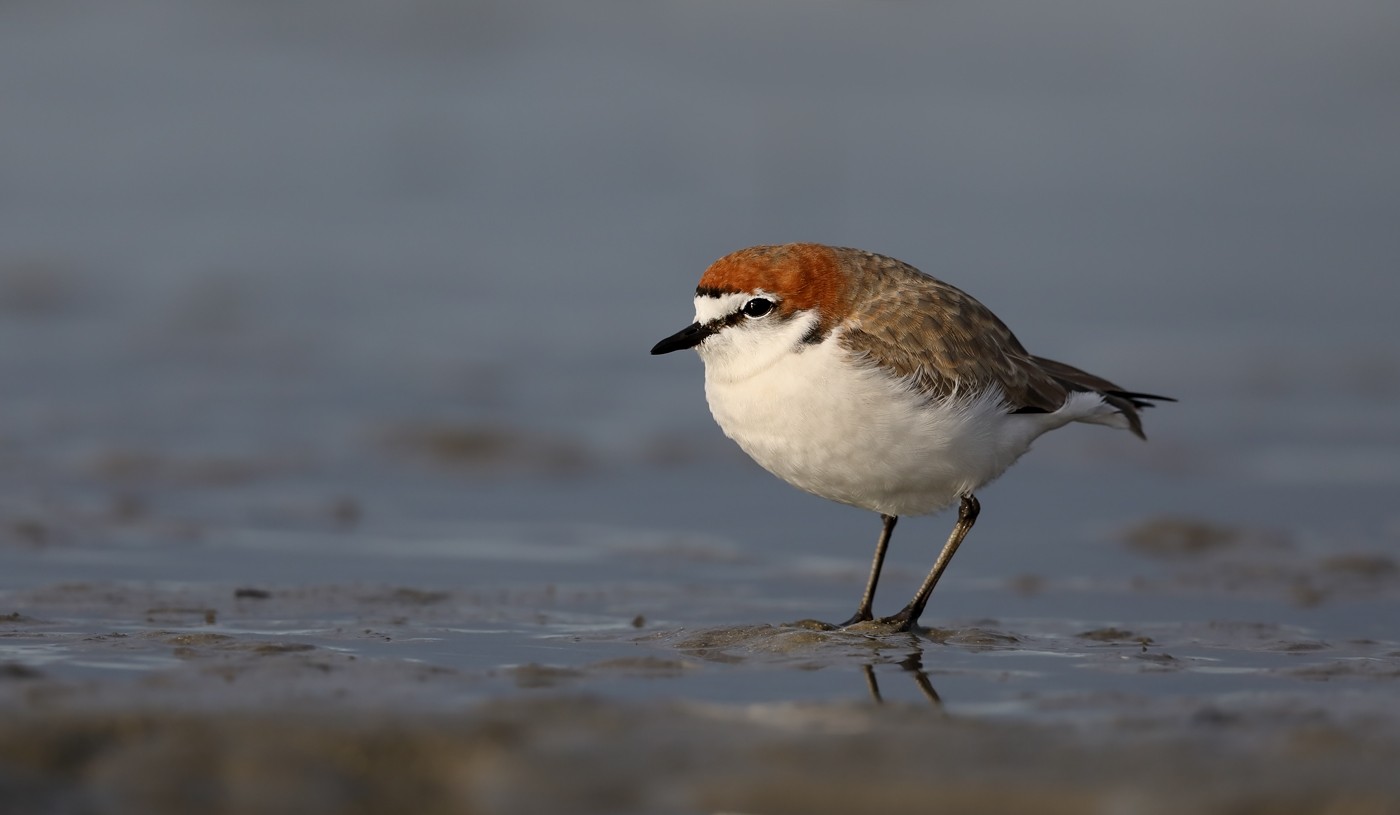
(334, 475)
(1250, 678)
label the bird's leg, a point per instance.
(909, 615)
(868, 600)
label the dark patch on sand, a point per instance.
(149, 466)
(1184, 537)
(543, 676)
(1114, 635)
(491, 449)
(1239, 561)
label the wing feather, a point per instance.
(941, 339)
(944, 342)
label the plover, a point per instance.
(858, 378)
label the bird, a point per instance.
(860, 379)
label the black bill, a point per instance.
(688, 337)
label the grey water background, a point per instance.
(319, 294)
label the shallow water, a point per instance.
(328, 428)
(441, 619)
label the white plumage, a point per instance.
(845, 429)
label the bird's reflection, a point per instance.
(914, 665)
(819, 644)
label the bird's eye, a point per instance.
(757, 307)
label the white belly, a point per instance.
(847, 432)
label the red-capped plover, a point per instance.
(860, 379)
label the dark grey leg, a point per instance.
(909, 615)
(864, 613)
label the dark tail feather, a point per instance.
(1127, 402)
(1139, 400)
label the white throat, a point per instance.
(751, 346)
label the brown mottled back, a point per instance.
(938, 336)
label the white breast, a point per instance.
(841, 428)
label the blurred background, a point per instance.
(320, 265)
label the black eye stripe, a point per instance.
(721, 323)
(735, 317)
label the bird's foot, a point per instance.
(858, 617)
(903, 622)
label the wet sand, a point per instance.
(589, 755)
(125, 697)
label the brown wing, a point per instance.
(940, 338)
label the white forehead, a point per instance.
(710, 308)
